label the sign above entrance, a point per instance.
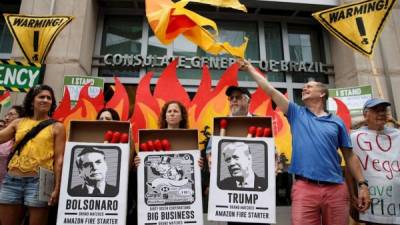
(359, 24)
(20, 76)
(219, 63)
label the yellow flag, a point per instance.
(234, 4)
(36, 34)
(359, 24)
(169, 20)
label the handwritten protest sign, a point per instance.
(379, 155)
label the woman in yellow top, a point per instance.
(21, 185)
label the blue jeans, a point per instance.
(21, 190)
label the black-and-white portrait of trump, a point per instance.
(242, 165)
(94, 171)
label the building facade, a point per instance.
(112, 37)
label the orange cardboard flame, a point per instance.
(64, 108)
(83, 110)
(343, 112)
(168, 87)
(147, 109)
(120, 100)
(98, 101)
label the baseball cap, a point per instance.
(375, 102)
(242, 90)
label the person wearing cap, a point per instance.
(239, 100)
(319, 194)
(92, 168)
(376, 145)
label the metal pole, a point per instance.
(53, 3)
(387, 81)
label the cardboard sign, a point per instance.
(35, 34)
(242, 183)
(75, 84)
(46, 184)
(353, 97)
(379, 156)
(20, 76)
(94, 184)
(169, 188)
(358, 25)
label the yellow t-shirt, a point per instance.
(38, 152)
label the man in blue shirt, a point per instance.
(319, 191)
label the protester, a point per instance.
(239, 101)
(107, 114)
(5, 148)
(173, 116)
(376, 144)
(46, 149)
(319, 192)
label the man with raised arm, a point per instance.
(319, 192)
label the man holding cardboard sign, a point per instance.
(239, 100)
(237, 156)
(319, 190)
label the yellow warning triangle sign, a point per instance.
(35, 34)
(358, 24)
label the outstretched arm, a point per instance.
(59, 146)
(280, 100)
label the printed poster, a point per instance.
(353, 97)
(379, 156)
(46, 184)
(94, 184)
(169, 188)
(76, 83)
(242, 182)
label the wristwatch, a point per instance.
(363, 182)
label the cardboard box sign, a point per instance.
(94, 194)
(93, 131)
(238, 126)
(180, 139)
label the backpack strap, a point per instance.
(31, 134)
